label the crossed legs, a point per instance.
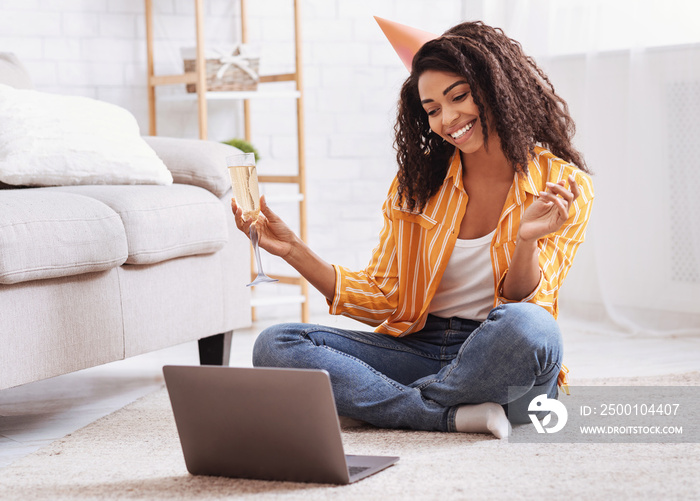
(426, 380)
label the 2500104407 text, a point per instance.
(639, 409)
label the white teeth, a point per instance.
(462, 131)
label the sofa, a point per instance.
(93, 273)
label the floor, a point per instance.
(34, 415)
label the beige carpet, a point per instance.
(135, 454)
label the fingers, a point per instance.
(559, 189)
(561, 204)
(267, 213)
(241, 223)
(573, 185)
(560, 196)
(265, 209)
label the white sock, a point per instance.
(488, 417)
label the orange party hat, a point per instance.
(405, 39)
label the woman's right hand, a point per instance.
(276, 238)
(273, 234)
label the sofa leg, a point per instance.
(216, 349)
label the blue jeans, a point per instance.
(418, 381)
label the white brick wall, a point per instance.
(97, 48)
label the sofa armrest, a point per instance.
(195, 162)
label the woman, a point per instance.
(481, 225)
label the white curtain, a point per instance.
(630, 71)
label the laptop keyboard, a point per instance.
(354, 470)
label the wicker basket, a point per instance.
(226, 70)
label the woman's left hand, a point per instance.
(550, 210)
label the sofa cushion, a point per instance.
(13, 72)
(196, 162)
(163, 222)
(47, 234)
(55, 140)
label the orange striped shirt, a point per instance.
(394, 291)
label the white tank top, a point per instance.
(466, 289)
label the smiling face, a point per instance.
(452, 114)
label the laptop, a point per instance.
(262, 423)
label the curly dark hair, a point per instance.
(525, 109)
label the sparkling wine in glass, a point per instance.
(244, 180)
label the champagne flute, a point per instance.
(244, 180)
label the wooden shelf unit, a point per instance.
(198, 77)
